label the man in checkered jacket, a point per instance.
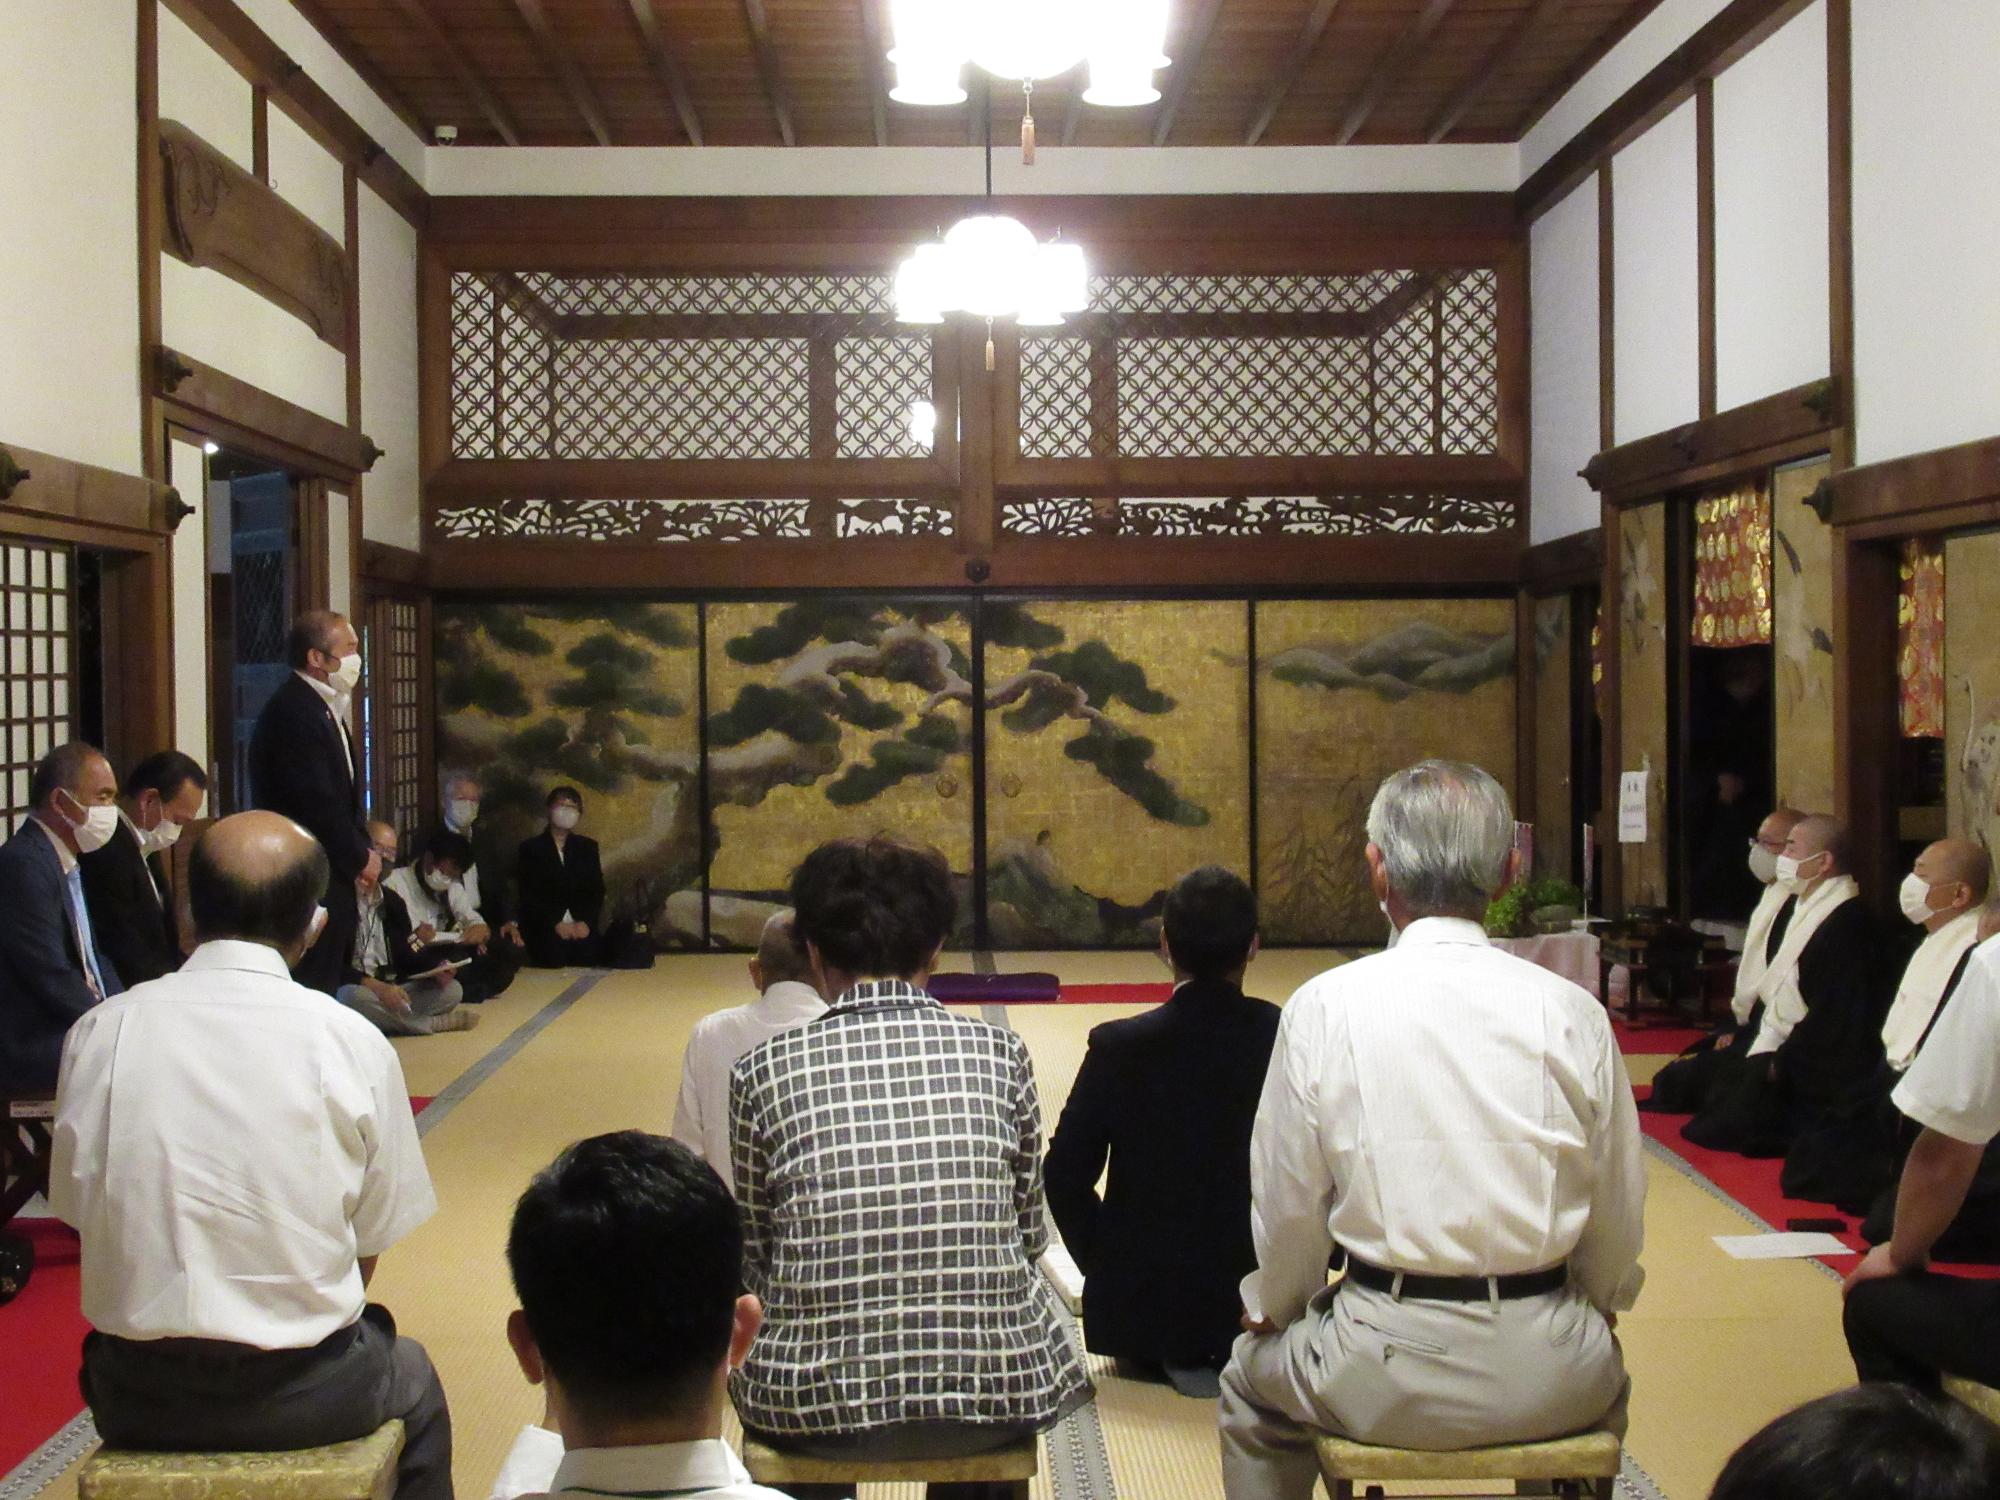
(887, 1159)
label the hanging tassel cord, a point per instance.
(1027, 122)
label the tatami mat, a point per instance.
(1716, 1347)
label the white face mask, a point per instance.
(343, 678)
(437, 880)
(565, 816)
(315, 927)
(460, 813)
(1763, 864)
(1915, 898)
(162, 836)
(95, 828)
(1788, 872)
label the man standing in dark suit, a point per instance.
(52, 969)
(303, 764)
(123, 883)
(562, 889)
(1170, 1097)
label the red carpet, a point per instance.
(41, 1339)
(1754, 1184)
(1117, 994)
(1654, 1041)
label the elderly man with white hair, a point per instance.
(1460, 1123)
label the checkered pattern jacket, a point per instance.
(888, 1161)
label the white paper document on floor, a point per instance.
(1787, 1246)
(1063, 1276)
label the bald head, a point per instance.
(1775, 829)
(257, 877)
(780, 954)
(1815, 835)
(1958, 862)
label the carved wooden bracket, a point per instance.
(1820, 501)
(173, 370)
(220, 216)
(175, 508)
(1822, 399)
(11, 475)
(370, 453)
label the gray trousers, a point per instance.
(1436, 1376)
(429, 999)
(199, 1395)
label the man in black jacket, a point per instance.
(123, 881)
(1170, 1097)
(562, 889)
(393, 976)
(303, 764)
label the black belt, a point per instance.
(1458, 1288)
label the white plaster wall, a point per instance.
(1771, 257)
(69, 297)
(308, 176)
(389, 396)
(223, 323)
(1926, 224)
(200, 89)
(1644, 48)
(339, 553)
(1563, 287)
(189, 470)
(1656, 345)
(286, 25)
(898, 170)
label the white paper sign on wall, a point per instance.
(1632, 807)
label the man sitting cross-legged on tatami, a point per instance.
(236, 1151)
(627, 1258)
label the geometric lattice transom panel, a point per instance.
(37, 637)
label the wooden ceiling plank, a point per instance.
(647, 18)
(1296, 59)
(557, 57)
(433, 32)
(1496, 63)
(768, 74)
(1594, 53)
(1180, 77)
(874, 52)
(343, 43)
(1385, 72)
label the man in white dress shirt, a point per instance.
(1904, 1322)
(627, 1256)
(786, 997)
(1460, 1122)
(237, 1151)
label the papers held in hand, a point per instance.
(443, 970)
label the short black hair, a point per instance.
(627, 1255)
(874, 907)
(165, 772)
(1869, 1442)
(310, 632)
(444, 845)
(1210, 921)
(59, 770)
(564, 794)
(272, 908)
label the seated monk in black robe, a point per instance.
(1685, 1085)
(1823, 1001)
(1850, 1155)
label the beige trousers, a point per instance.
(1436, 1376)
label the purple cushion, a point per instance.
(995, 989)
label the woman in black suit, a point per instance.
(562, 889)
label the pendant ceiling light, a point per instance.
(991, 266)
(1028, 40)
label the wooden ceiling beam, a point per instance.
(1180, 77)
(646, 17)
(1391, 65)
(1296, 58)
(874, 52)
(432, 30)
(1497, 62)
(536, 19)
(768, 73)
